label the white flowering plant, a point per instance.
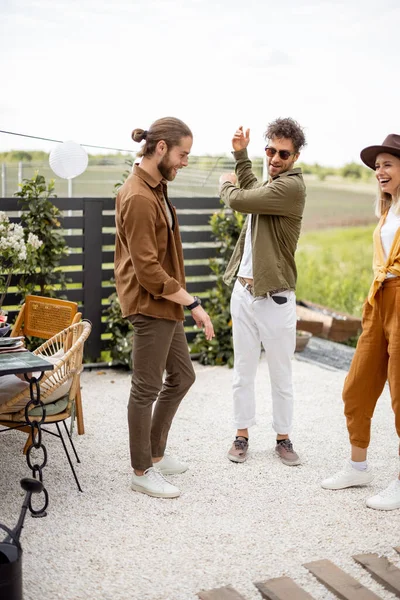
(17, 254)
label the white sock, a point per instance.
(359, 466)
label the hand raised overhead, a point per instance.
(240, 139)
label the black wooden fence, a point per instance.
(89, 229)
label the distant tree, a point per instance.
(352, 170)
(22, 155)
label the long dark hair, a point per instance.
(168, 129)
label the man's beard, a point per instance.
(166, 169)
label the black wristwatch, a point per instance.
(196, 302)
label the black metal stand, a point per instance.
(61, 437)
(11, 550)
(36, 436)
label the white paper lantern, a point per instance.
(68, 160)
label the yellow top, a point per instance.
(381, 266)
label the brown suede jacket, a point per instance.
(148, 261)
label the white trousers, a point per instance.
(255, 321)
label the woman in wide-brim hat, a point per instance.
(377, 356)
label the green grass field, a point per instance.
(335, 267)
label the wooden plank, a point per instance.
(382, 570)
(223, 593)
(397, 548)
(339, 582)
(281, 588)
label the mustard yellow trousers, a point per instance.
(376, 359)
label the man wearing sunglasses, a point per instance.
(263, 303)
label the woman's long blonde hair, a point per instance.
(384, 201)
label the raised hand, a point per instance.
(241, 139)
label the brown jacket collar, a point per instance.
(149, 179)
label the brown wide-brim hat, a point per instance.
(391, 145)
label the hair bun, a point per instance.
(138, 135)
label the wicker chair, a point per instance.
(58, 388)
(44, 317)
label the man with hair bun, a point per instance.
(150, 282)
(263, 303)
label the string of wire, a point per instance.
(36, 137)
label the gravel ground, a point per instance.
(234, 524)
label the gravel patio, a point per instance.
(233, 524)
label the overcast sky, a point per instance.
(91, 71)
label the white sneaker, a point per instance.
(154, 484)
(169, 465)
(388, 499)
(348, 477)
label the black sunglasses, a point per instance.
(284, 154)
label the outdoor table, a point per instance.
(15, 363)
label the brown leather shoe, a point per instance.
(284, 449)
(238, 452)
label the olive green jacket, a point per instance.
(277, 207)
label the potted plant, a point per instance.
(302, 339)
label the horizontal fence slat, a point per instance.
(107, 274)
(190, 335)
(106, 291)
(74, 276)
(194, 219)
(107, 256)
(191, 237)
(197, 270)
(196, 203)
(74, 295)
(68, 203)
(108, 239)
(78, 203)
(108, 220)
(200, 252)
(72, 260)
(74, 241)
(71, 222)
(194, 287)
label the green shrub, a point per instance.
(40, 217)
(120, 343)
(226, 226)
